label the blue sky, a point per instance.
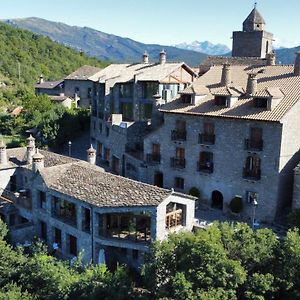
(164, 21)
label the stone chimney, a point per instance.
(251, 84)
(226, 75)
(3, 153)
(37, 161)
(157, 116)
(297, 64)
(30, 148)
(91, 155)
(145, 58)
(41, 79)
(271, 59)
(162, 57)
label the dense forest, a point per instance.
(224, 262)
(24, 57)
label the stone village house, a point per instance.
(75, 206)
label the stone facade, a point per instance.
(253, 41)
(43, 200)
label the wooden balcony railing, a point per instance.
(207, 167)
(253, 174)
(177, 163)
(153, 158)
(206, 139)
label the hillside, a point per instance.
(286, 55)
(104, 46)
(28, 55)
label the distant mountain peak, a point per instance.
(204, 47)
(103, 45)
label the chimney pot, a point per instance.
(91, 155)
(162, 57)
(41, 79)
(226, 75)
(271, 59)
(37, 161)
(145, 58)
(252, 84)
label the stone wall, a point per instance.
(229, 157)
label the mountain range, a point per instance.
(114, 48)
(102, 45)
(205, 47)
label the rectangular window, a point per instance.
(57, 237)
(221, 101)
(43, 230)
(252, 197)
(126, 90)
(65, 211)
(100, 149)
(116, 164)
(150, 89)
(180, 153)
(261, 102)
(89, 93)
(179, 183)
(107, 155)
(42, 199)
(127, 111)
(86, 219)
(72, 241)
(146, 111)
(100, 127)
(206, 163)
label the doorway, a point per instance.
(217, 200)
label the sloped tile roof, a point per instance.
(48, 84)
(91, 184)
(120, 73)
(280, 77)
(83, 73)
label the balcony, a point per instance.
(205, 167)
(254, 145)
(177, 163)
(253, 174)
(153, 159)
(178, 135)
(206, 139)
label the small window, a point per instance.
(186, 99)
(43, 230)
(261, 102)
(220, 100)
(57, 237)
(100, 127)
(179, 183)
(252, 197)
(77, 91)
(107, 131)
(42, 200)
(89, 93)
(72, 245)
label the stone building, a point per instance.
(233, 133)
(253, 41)
(77, 86)
(127, 98)
(75, 206)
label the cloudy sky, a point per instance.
(164, 21)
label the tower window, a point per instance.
(261, 102)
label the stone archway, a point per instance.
(217, 200)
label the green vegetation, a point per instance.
(37, 55)
(40, 276)
(225, 262)
(194, 192)
(24, 56)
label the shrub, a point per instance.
(194, 192)
(236, 205)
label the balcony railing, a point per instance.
(177, 163)
(153, 158)
(253, 174)
(207, 139)
(205, 167)
(254, 145)
(178, 135)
